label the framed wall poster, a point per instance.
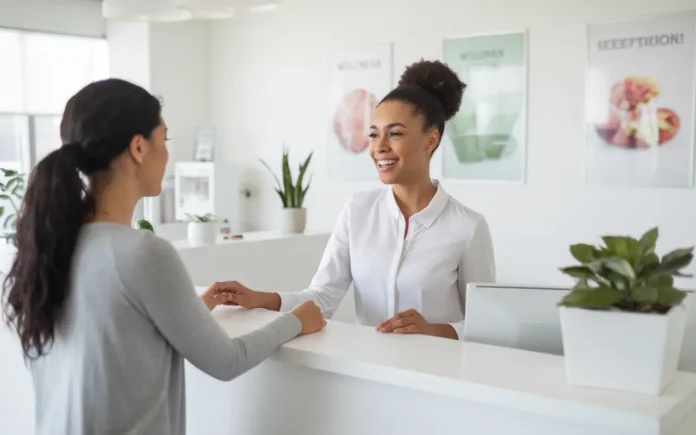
(487, 139)
(205, 144)
(359, 77)
(640, 102)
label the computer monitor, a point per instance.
(526, 317)
(515, 316)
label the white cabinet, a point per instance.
(209, 187)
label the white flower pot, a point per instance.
(293, 220)
(202, 233)
(622, 351)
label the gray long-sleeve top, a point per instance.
(132, 316)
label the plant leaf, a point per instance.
(676, 260)
(602, 297)
(5, 197)
(304, 191)
(627, 248)
(620, 266)
(581, 284)
(583, 253)
(670, 296)
(661, 281)
(144, 224)
(648, 240)
(300, 178)
(9, 221)
(2, 211)
(582, 272)
(11, 183)
(644, 294)
(9, 172)
(648, 264)
(272, 173)
(287, 181)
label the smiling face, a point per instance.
(400, 146)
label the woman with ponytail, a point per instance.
(105, 314)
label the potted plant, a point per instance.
(11, 194)
(624, 321)
(202, 229)
(293, 218)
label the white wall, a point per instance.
(76, 17)
(180, 73)
(171, 60)
(269, 80)
(129, 51)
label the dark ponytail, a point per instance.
(98, 124)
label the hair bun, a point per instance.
(438, 79)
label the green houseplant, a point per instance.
(626, 274)
(12, 190)
(202, 229)
(200, 218)
(292, 193)
(624, 320)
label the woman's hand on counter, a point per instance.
(310, 316)
(412, 322)
(216, 294)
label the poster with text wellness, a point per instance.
(359, 77)
(640, 102)
(487, 139)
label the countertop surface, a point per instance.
(256, 236)
(511, 378)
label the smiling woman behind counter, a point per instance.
(409, 249)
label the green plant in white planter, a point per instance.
(292, 194)
(623, 323)
(202, 229)
(11, 193)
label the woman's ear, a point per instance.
(138, 148)
(433, 140)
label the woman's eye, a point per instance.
(396, 133)
(372, 135)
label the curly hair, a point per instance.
(433, 90)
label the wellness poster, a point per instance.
(640, 102)
(359, 78)
(487, 139)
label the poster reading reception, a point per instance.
(487, 139)
(359, 78)
(640, 102)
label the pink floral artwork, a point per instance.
(352, 119)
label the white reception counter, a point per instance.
(350, 379)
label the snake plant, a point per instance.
(291, 193)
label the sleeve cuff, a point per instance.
(290, 326)
(288, 301)
(459, 329)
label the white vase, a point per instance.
(202, 233)
(617, 350)
(293, 220)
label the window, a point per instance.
(40, 72)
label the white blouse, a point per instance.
(447, 246)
